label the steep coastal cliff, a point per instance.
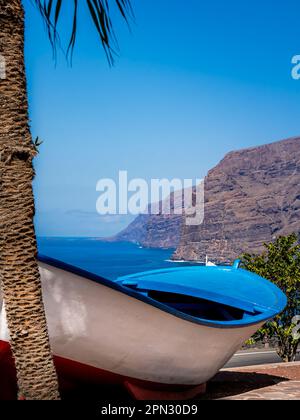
(251, 196)
(155, 230)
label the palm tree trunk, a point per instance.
(19, 272)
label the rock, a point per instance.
(252, 196)
(153, 231)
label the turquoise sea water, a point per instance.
(106, 259)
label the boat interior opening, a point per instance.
(200, 308)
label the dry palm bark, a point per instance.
(19, 273)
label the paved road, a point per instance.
(254, 357)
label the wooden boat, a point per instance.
(165, 330)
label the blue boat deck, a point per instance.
(228, 294)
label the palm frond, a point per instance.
(99, 11)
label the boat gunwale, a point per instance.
(242, 323)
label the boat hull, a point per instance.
(87, 382)
(103, 328)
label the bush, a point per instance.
(280, 264)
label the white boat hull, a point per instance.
(106, 329)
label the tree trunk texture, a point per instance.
(19, 274)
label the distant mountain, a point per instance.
(251, 197)
(155, 231)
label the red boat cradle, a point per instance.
(163, 393)
(78, 380)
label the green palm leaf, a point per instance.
(99, 11)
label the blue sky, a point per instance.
(194, 80)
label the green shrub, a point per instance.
(280, 264)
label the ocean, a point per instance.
(107, 259)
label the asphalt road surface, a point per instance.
(255, 357)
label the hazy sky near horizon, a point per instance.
(193, 81)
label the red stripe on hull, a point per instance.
(8, 383)
(77, 380)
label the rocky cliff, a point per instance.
(154, 231)
(251, 196)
